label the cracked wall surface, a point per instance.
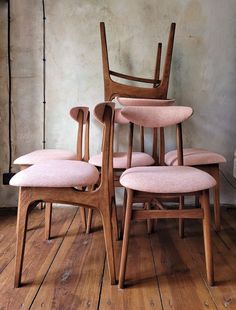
(203, 70)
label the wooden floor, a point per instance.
(70, 271)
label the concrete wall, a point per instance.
(203, 71)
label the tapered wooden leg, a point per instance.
(22, 215)
(115, 220)
(83, 216)
(125, 238)
(149, 222)
(123, 214)
(48, 219)
(207, 237)
(216, 176)
(181, 221)
(89, 221)
(107, 228)
(90, 214)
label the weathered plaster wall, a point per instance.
(203, 71)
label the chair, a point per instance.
(121, 160)
(82, 116)
(207, 161)
(148, 183)
(59, 181)
(160, 87)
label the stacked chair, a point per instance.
(75, 179)
(82, 116)
(60, 181)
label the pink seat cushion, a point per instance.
(179, 179)
(194, 156)
(145, 102)
(42, 155)
(120, 160)
(57, 173)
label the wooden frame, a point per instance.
(159, 91)
(99, 199)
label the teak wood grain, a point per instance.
(175, 275)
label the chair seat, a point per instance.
(194, 156)
(57, 173)
(120, 160)
(163, 180)
(42, 155)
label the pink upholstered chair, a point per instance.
(82, 116)
(59, 181)
(207, 161)
(148, 183)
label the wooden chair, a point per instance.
(143, 184)
(61, 184)
(207, 161)
(122, 160)
(160, 87)
(82, 116)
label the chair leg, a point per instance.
(22, 216)
(107, 229)
(123, 214)
(149, 222)
(115, 225)
(181, 221)
(83, 216)
(90, 214)
(123, 260)
(89, 221)
(216, 176)
(207, 237)
(48, 220)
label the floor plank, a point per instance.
(39, 255)
(224, 291)
(8, 234)
(142, 290)
(181, 285)
(70, 272)
(74, 280)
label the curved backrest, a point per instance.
(82, 116)
(74, 113)
(156, 117)
(125, 101)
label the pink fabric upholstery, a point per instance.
(194, 156)
(156, 116)
(57, 173)
(99, 110)
(119, 118)
(42, 155)
(144, 102)
(120, 160)
(179, 179)
(74, 113)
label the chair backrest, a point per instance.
(82, 116)
(160, 117)
(126, 101)
(104, 113)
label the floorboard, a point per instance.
(164, 272)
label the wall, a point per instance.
(203, 71)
